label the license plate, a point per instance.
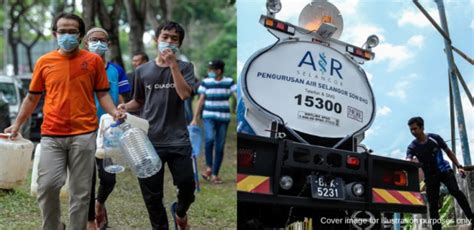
(321, 188)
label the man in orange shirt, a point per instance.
(69, 77)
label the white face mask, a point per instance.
(98, 47)
(165, 45)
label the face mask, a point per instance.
(165, 45)
(211, 75)
(68, 42)
(98, 47)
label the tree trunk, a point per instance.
(88, 13)
(17, 10)
(136, 20)
(14, 47)
(109, 22)
(29, 47)
(150, 14)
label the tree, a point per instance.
(211, 32)
(63, 6)
(21, 28)
(136, 21)
(224, 47)
(109, 21)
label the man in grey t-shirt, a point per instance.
(160, 88)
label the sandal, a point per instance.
(180, 223)
(216, 180)
(101, 219)
(207, 174)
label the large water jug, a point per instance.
(142, 157)
(106, 120)
(113, 160)
(15, 160)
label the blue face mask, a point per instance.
(211, 75)
(68, 42)
(165, 45)
(98, 47)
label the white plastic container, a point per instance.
(64, 193)
(15, 160)
(106, 120)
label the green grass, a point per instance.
(214, 207)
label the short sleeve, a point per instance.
(233, 87)
(101, 80)
(188, 73)
(37, 85)
(441, 143)
(202, 88)
(124, 85)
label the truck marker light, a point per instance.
(352, 161)
(279, 25)
(367, 55)
(269, 22)
(246, 157)
(350, 49)
(291, 30)
(400, 178)
(359, 52)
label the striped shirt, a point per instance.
(217, 94)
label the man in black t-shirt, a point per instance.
(427, 149)
(160, 88)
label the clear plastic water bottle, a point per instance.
(140, 153)
(113, 161)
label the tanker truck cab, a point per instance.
(305, 103)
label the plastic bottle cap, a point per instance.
(117, 123)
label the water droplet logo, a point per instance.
(322, 63)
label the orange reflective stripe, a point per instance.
(414, 198)
(251, 183)
(386, 195)
(396, 197)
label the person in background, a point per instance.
(70, 76)
(160, 87)
(97, 41)
(137, 60)
(427, 148)
(215, 92)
